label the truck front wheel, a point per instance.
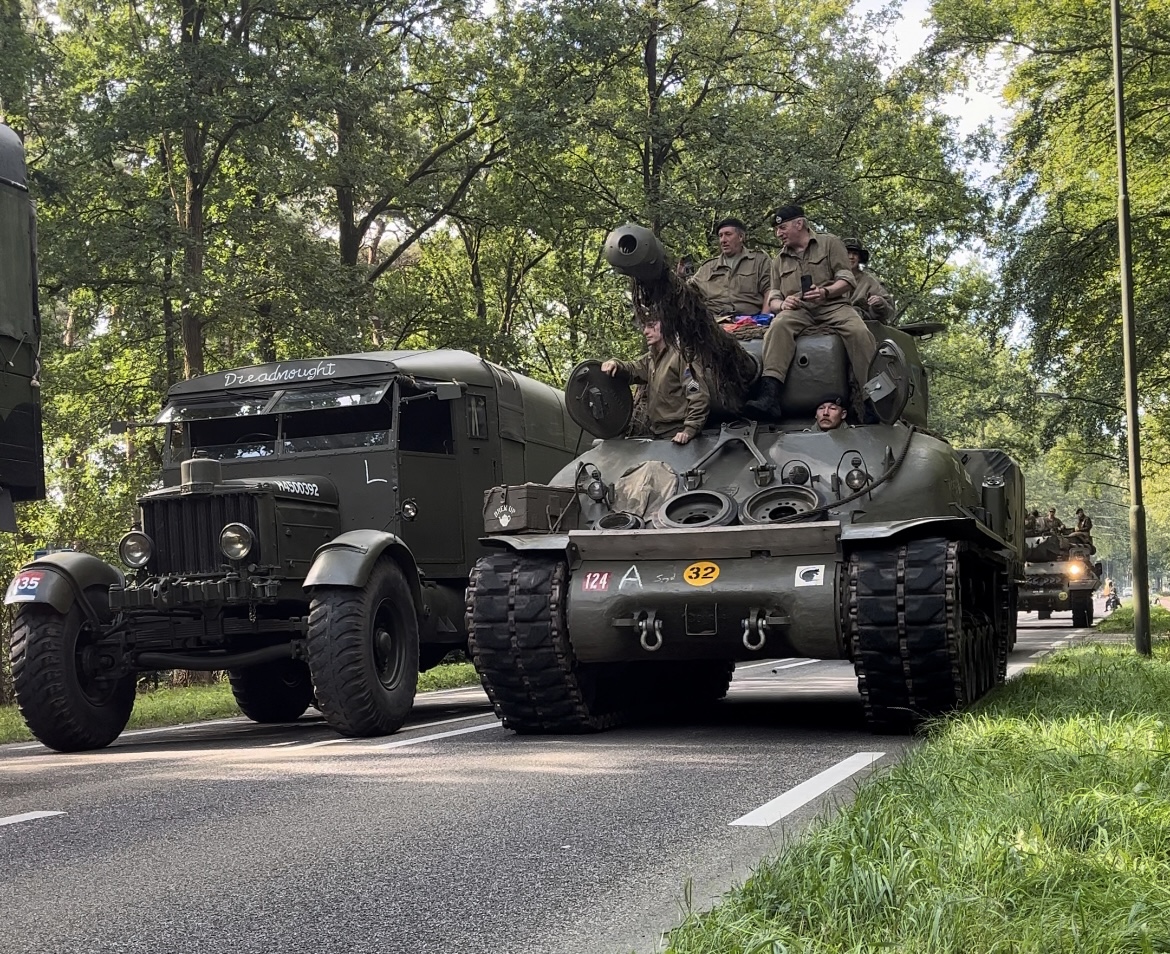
(363, 652)
(273, 692)
(68, 699)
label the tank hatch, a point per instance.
(597, 402)
(889, 382)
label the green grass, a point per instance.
(1037, 822)
(1121, 620)
(200, 703)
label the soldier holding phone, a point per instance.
(811, 281)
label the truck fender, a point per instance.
(348, 559)
(60, 579)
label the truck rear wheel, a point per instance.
(273, 692)
(363, 652)
(67, 701)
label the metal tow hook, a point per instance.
(758, 624)
(650, 634)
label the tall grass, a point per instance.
(1040, 821)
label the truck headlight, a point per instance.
(236, 541)
(135, 549)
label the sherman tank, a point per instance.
(1060, 576)
(645, 570)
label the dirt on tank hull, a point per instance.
(877, 543)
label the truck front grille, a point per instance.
(185, 530)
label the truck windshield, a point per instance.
(293, 421)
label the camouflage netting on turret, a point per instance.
(728, 370)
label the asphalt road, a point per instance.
(453, 835)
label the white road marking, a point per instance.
(741, 668)
(805, 792)
(26, 816)
(164, 728)
(1043, 652)
(803, 662)
(438, 735)
(423, 725)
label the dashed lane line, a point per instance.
(771, 812)
(402, 743)
(26, 816)
(793, 665)
(767, 662)
(405, 728)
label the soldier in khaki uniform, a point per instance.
(676, 397)
(735, 282)
(869, 296)
(811, 282)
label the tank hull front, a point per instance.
(734, 593)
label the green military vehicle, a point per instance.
(1060, 576)
(646, 569)
(313, 537)
(22, 469)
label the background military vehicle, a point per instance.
(313, 537)
(1060, 576)
(22, 469)
(881, 544)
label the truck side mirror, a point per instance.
(448, 392)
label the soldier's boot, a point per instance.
(766, 403)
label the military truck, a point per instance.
(22, 469)
(1060, 576)
(668, 564)
(313, 537)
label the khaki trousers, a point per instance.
(836, 318)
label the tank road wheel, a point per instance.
(363, 652)
(278, 691)
(925, 633)
(67, 701)
(520, 646)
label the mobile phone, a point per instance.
(805, 284)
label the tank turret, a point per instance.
(878, 542)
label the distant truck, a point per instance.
(1059, 577)
(22, 468)
(313, 537)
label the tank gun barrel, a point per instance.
(635, 251)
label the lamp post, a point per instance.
(1137, 512)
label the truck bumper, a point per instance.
(170, 593)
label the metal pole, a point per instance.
(1137, 512)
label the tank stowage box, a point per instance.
(313, 537)
(879, 543)
(528, 507)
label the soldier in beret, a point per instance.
(735, 281)
(831, 412)
(811, 283)
(869, 296)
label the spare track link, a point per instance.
(520, 647)
(922, 631)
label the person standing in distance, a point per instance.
(735, 281)
(811, 282)
(676, 397)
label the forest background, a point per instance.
(221, 184)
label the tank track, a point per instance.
(926, 629)
(520, 646)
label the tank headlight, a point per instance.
(596, 490)
(236, 541)
(135, 549)
(1075, 569)
(856, 479)
(798, 474)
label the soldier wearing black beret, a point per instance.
(734, 282)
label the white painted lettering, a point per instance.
(631, 576)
